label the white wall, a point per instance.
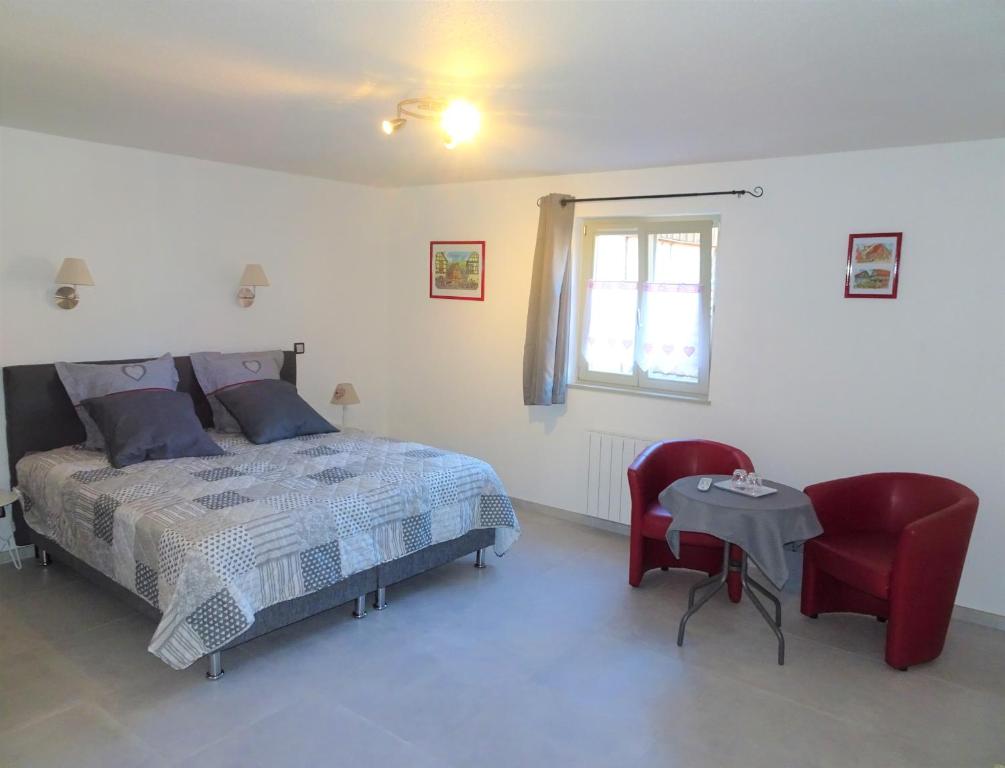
(812, 385)
(166, 238)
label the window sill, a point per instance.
(696, 399)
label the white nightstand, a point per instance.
(7, 526)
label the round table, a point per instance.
(760, 527)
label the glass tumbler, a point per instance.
(740, 478)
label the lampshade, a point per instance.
(74, 272)
(345, 394)
(254, 275)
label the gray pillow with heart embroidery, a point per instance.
(216, 371)
(84, 381)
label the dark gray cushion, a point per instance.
(84, 381)
(149, 424)
(271, 410)
(215, 371)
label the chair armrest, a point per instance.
(845, 505)
(646, 478)
(932, 549)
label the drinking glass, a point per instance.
(740, 478)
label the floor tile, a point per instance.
(37, 684)
(315, 731)
(184, 713)
(82, 736)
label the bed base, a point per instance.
(353, 589)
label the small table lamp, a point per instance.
(345, 395)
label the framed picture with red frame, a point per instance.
(457, 270)
(873, 265)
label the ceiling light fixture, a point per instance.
(459, 119)
(390, 126)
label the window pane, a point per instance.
(612, 296)
(676, 258)
(610, 338)
(671, 345)
(616, 257)
(671, 308)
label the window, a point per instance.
(645, 304)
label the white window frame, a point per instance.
(638, 380)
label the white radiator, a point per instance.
(608, 457)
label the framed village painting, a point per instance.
(873, 266)
(457, 270)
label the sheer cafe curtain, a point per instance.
(655, 324)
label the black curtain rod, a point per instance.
(756, 192)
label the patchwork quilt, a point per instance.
(210, 541)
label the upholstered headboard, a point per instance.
(41, 417)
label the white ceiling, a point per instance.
(302, 86)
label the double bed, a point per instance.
(225, 548)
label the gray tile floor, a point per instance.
(547, 658)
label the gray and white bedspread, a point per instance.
(210, 541)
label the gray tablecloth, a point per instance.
(761, 527)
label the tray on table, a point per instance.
(753, 493)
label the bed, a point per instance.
(226, 548)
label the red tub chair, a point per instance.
(653, 470)
(893, 547)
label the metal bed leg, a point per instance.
(480, 558)
(776, 626)
(214, 666)
(43, 558)
(359, 611)
(380, 599)
(692, 608)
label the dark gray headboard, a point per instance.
(41, 417)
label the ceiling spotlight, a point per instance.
(390, 126)
(460, 120)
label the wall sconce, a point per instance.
(253, 276)
(72, 273)
(345, 395)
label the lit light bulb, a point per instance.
(390, 126)
(460, 121)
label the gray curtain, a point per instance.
(546, 351)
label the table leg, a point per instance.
(776, 625)
(713, 579)
(764, 591)
(718, 579)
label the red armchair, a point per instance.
(653, 470)
(893, 547)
